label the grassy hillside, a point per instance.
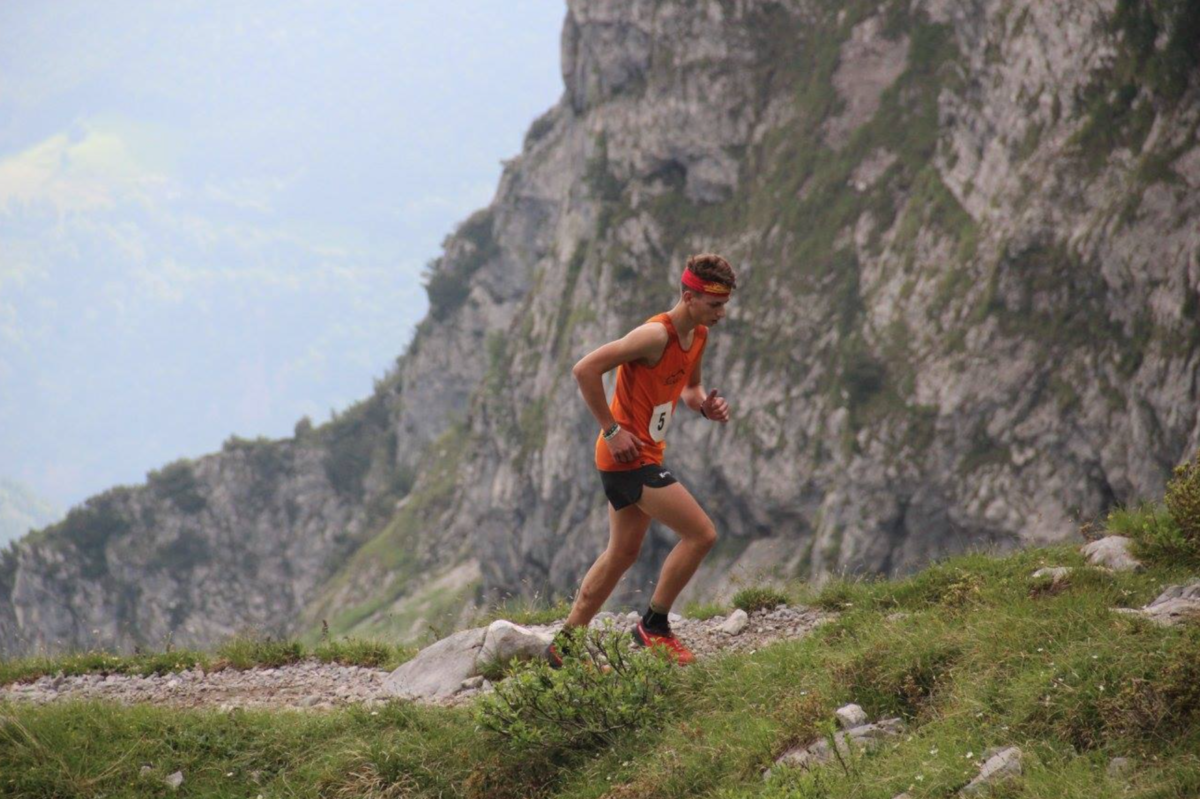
(971, 653)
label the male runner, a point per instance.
(657, 364)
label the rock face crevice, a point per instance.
(968, 262)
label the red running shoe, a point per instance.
(552, 656)
(668, 641)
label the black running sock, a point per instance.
(656, 622)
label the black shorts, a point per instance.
(625, 488)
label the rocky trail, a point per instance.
(313, 685)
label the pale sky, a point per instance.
(214, 215)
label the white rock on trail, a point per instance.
(736, 622)
(504, 640)
(438, 670)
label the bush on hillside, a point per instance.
(1156, 535)
(581, 706)
(247, 650)
(1183, 499)
(758, 598)
(351, 651)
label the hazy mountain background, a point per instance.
(21, 511)
(214, 217)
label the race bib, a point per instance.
(660, 420)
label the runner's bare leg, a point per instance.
(626, 531)
(675, 507)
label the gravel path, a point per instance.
(312, 685)
(307, 684)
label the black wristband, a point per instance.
(702, 413)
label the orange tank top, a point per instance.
(646, 396)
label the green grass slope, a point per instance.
(971, 653)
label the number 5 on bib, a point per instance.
(660, 420)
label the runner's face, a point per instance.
(708, 310)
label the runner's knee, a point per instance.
(622, 559)
(706, 534)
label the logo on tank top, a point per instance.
(673, 378)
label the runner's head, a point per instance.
(708, 283)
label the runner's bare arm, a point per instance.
(693, 392)
(695, 397)
(647, 341)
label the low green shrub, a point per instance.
(520, 610)
(1136, 693)
(1183, 499)
(165, 662)
(249, 650)
(759, 598)
(836, 594)
(594, 700)
(361, 652)
(97, 661)
(704, 611)
(1156, 533)
(900, 678)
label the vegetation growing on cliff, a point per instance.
(89, 528)
(387, 565)
(447, 280)
(1158, 49)
(176, 482)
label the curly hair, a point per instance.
(709, 266)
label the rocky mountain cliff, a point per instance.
(968, 245)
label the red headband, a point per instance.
(695, 283)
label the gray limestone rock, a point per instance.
(1186, 592)
(1054, 575)
(1112, 552)
(736, 622)
(851, 716)
(866, 737)
(1176, 604)
(503, 641)
(439, 669)
(1001, 766)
